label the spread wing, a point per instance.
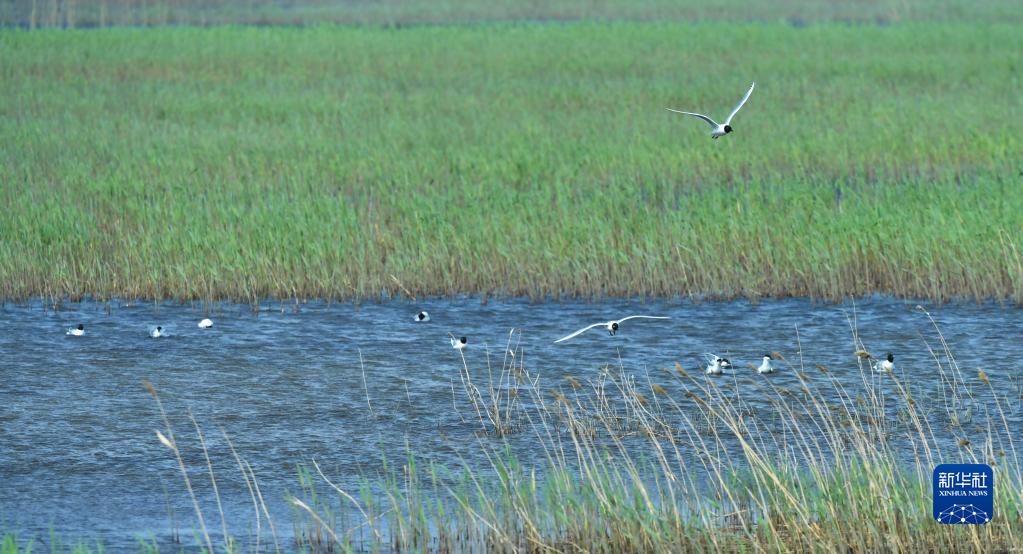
(642, 317)
(580, 331)
(743, 101)
(699, 115)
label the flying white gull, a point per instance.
(611, 326)
(719, 129)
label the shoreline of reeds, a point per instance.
(942, 247)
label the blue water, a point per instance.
(345, 384)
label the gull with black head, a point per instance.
(765, 366)
(719, 129)
(716, 365)
(611, 326)
(458, 343)
(887, 364)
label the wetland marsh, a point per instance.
(510, 168)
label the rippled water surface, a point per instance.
(344, 384)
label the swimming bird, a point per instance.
(422, 317)
(611, 326)
(765, 366)
(77, 331)
(887, 364)
(157, 333)
(206, 323)
(458, 344)
(722, 129)
(717, 365)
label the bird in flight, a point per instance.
(611, 326)
(719, 129)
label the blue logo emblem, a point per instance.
(963, 493)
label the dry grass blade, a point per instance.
(682, 372)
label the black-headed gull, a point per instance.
(422, 317)
(719, 129)
(765, 366)
(77, 331)
(157, 333)
(459, 343)
(206, 323)
(887, 364)
(611, 326)
(717, 364)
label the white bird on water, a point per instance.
(206, 323)
(611, 326)
(887, 364)
(765, 366)
(422, 317)
(157, 333)
(717, 364)
(459, 343)
(77, 331)
(719, 129)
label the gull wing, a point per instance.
(699, 115)
(580, 331)
(643, 317)
(743, 101)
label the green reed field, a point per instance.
(512, 158)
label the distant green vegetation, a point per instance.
(532, 159)
(103, 13)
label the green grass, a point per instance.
(528, 159)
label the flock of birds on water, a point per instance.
(716, 365)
